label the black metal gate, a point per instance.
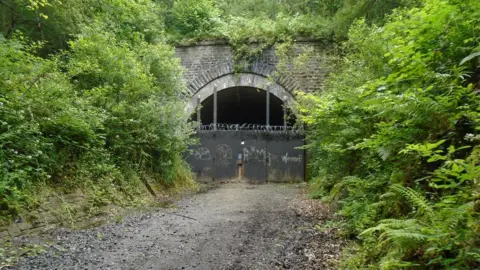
(256, 153)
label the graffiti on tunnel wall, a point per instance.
(254, 155)
(293, 159)
(261, 155)
(224, 155)
(264, 157)
(202, 153)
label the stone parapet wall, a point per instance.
(301, 70)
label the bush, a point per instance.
(103, 115)
(395, 138)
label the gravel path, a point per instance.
(235, 226)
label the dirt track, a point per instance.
(235, 226)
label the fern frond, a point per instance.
(336, 190)
(393, 224)
(391, 262)
(404, 235)
(387, 195)
(416, 199)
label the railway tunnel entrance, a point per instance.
(240, 105)
(246, 132)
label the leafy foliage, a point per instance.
(90, 98)
(270, 21)
(395, 138)
(191, 18)
(101, 112)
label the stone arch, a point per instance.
(226, 68)
(238, 80)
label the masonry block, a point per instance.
(209, 61)
(24, 226)
(13, 230)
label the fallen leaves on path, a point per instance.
(323, 247)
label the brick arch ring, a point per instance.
(238, 80)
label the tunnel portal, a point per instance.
(244, 105)
(246, 132)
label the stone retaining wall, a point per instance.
(51, 214)
(301, 70)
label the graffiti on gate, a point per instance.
(272, 157)
(253, 154)
(224, 155)
(202, 153)
(292, 159)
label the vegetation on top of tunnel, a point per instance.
(269, 22)
(266, 20)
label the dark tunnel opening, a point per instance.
(244, 105)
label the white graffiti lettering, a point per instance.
(294, 159)
(202, 153)
(254, 155)
(224, 155)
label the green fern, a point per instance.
(389, 225)
(416, 199)
(391, 261)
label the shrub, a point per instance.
(395, 134)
